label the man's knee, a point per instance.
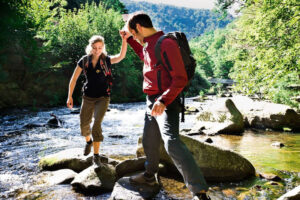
(171, 144)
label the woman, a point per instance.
(96, 90)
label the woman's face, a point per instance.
(97, 48)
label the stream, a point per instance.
(21, 148)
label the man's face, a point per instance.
(137, 35)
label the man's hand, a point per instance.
(158, 108)
(70, 102)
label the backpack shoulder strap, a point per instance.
(158, 50)
(85, 64)
(104, 65)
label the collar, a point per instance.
(153, 37)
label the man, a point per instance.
(163, 105)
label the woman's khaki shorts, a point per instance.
(90, 107)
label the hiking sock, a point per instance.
(90, 142)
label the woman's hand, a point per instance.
(70, 102)
(124, 35)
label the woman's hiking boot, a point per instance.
(144, 179)
(97, 159)
(88, 148)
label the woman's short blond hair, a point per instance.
(94, 39)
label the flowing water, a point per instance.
(21, 148)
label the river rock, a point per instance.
(277, 144)
(291, 195)
(67, 159)
(95, 179)
(117, 136)
(33, 125)
(271, 177)
(266, 115)
(54, 122)
(75, 111)
(62, 176)
(190, 110)
(130, 166)
(208, 140)
(220, 117)
(123, 190)
(217, 164)
(106, 160)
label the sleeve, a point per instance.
(177, 70)
(137, 47)
(81, 61)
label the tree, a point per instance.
(267, 49)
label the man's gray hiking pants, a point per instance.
(166, 127)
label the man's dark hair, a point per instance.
(139, 18)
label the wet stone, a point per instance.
(130, 166)
(208, 140)
(271, 177)
(75, 111)
(294, 194)
(54, 122)
(32, 125)
(277, 144)
(116, 136)
(62, 176)
(95, 179)
(229, 192)
(123, 190)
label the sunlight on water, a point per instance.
(258, 149)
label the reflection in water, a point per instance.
(258, 149)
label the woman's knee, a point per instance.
(97, 136)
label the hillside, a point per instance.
(193, 22)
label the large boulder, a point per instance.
(95, 179)
(72, 159)
(123, 190)
(130, 166)
(67, 159)
(291, 195)
(219, 117)
(61, 176)
(262, 114)
(217, 164)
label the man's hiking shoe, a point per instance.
(144, 180)
(201, 196)
(88, 148)
(97, 159)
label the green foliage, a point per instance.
(107, 4)
(66, 35)
(199, 84)
(267, 50)
(21, 58)
(41, 41)
(212, 54)
(193, 22)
